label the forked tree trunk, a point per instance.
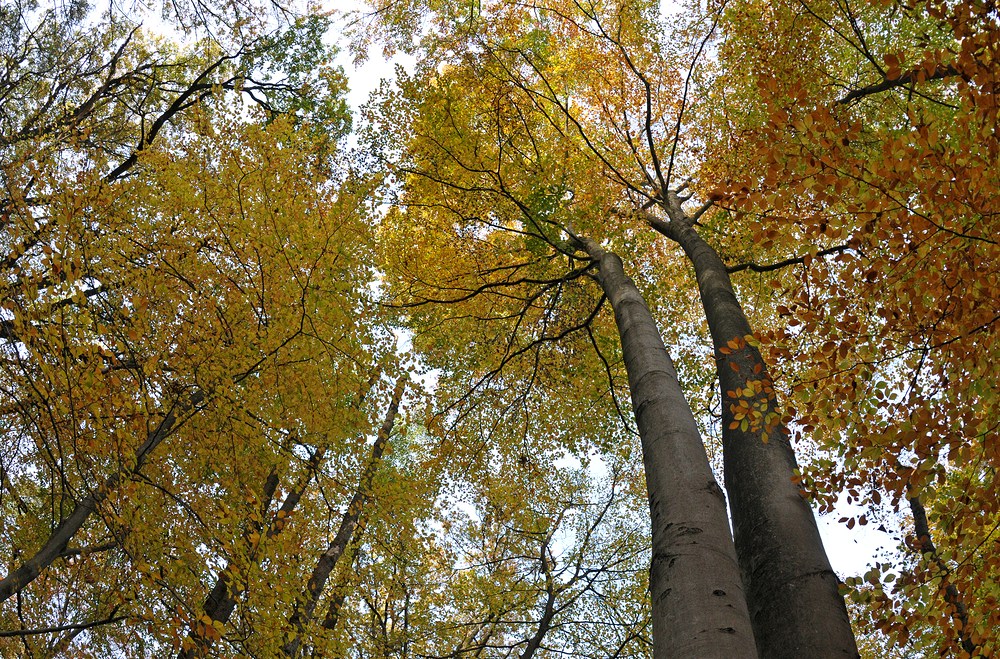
(791, 589)
(698, 605)
(224, 596)
(222, 599)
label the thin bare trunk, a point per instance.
(699, 609)
(336, 604)
(222, 599)
(303, 613)
(28, 571)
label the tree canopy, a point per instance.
(556, 347)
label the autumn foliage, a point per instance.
(460, 374)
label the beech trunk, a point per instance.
(698, 605)
(791, 589)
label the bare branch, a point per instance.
(923, 534)
(770, 267)
(61, 628)
(941, 72)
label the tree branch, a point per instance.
(17, 579)
(770, 267)
(61, 628)
(926, 546)
(910, 77)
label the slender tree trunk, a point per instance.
(303, 613)
(699, 609)
(792, 592)
(548, 611)
(222, 599)
(340, 590)
(952, 596)
(337, 599)
(28, 571)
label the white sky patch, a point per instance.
(852, 551)
(364, 77)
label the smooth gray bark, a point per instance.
(303, 613)
(698, 605)
(791, 589)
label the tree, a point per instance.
(189, 333)
(590, 84)
(693, 558)
(169, 316)
(868, 206)
(215, 319)
(204, 303)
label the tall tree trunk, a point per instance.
(792, 592)
(303, 613)
(340, 590)
(339, 594)
(699, 609)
